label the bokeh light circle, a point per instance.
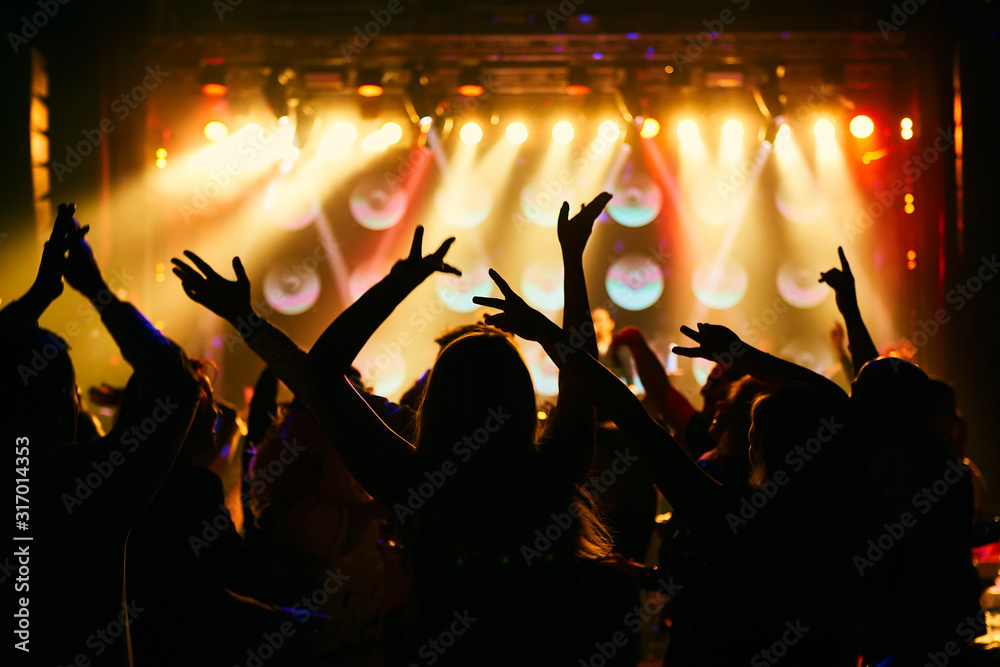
(456, 292)
(544, 372)
(541, 206)
(377, 205)
(289, 204)
(719, 286)
(542, 285)
(634, 282)
(799, 285)
(463, 206)
(292, 290)
(636, 200)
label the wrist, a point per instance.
(98, 292)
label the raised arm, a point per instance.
(662, 397)
(48, 284)
(677, 476)
(719, 344)
(859, 341)
(571, 426)
(381, 461)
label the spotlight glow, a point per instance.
(609, 130)
(391, 133)
(650, 128)
(471, 133)
(906, 124)
(823, 129)
(906, 133)
(732, 131)
(517, 133)
(337, 141)
(783, 139)
(369, 90)
(563, 132)
(215, 131)
(687, 131)
(862, 127)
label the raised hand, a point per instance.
(79, 266)
(574, 232)
(418, 267)
(629, 337)
(49, 281)
(517, 317)
(842, 282)
(714, 342)
(228, 299)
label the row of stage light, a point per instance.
(340, 136)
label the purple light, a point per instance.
(650, 49)
(632, 35)
(786, 35)
(217, 342)
(559, 48)
(585, 18)
(598, 55)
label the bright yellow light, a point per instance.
(609, 130)
(471, 133)
(161, 163)
(909, 208)
(732, 131)
(687, 130)
(542, 415)
(517, 133)
(216, 131)
(337, 141)
(906, 133)
(908, 198)
(158, 324)
(391, 133)
(563, 132)
(160, 277)
(911, 254)
(161, 152)
(159, 266)
(823, 129)
(862, 127)
(783, 139)
(650, 128)
(906, 124)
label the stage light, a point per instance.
(578, 81)
(732, 131)
(908, 198)
(906, 129)
(517, 133)
(609, 130)
(862, 127)
(337, 141)
(213, 77)
(215, 131)
(563, 132)
(161, 153)
(783, 139)
(471, 133)
(911, 254)
(426, 122)
(161, 163)
(391, 133)
(369, 82)
(911, 265)
(909, 209)
(470, 82)
(687, 130)
(823, 129)
(650, 128)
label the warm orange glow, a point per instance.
(369, 90)
(471, 90)
(214, 89)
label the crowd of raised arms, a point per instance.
(459, 527)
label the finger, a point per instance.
(499, 321)
(564, 212)
(844, 265)
(599, 202)
(418, 242)
(687, 351)
(489, 302)
(184, 271)
(184, 279)
(77, 234)
(502, 284)
(241, 274)
(691, 333)
(448, 268)
(443, 249)
(202, 264)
